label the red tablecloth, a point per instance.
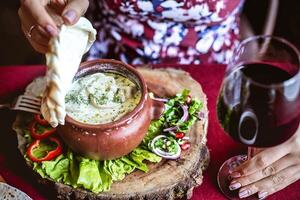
(14, 79)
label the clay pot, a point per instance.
(114, 139)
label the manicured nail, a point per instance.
(70, 16)
(262, 195)
(51, 30)
(235, 175)
(234, 186)
(244, 193)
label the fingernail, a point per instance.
(235, 175)
(51, 30)
(262, 195)
(70, 16)
(234, 186)
(244, 193)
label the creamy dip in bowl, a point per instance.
(108, 110)
(101, 98)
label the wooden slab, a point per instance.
(168, 179)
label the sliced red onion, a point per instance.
(186, 138)
(164, 154)
(173, 128)
(185, 115)
(201, 115)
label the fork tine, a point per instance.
(28, 110)
(30, 102)
(28, 106)
(19, 99)
(31, 98)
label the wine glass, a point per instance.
(259, 100)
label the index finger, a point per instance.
(38, 12)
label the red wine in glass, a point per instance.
(262, 117)
(259, 100)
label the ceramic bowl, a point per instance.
(115, 139)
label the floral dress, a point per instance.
(166, 31)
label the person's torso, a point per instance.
(167, 30)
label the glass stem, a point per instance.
(252, 151)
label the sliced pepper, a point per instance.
(39, 118)
(179, 135)
(40, 132)
(38, 152)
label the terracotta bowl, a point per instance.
(115, 139)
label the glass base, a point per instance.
(223, 177)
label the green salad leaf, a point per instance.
(138, 155)
(93, 175)
(172, 115)
(173, 112)
(57, 169)
(38, 168)
(89, 175)
(117, 168)
(105, 177)
(154, 129)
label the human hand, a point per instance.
(269, 171)
(40, 19)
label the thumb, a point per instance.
(74, 10)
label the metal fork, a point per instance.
(25, 103)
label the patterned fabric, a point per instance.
(166, 31)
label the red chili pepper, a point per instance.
(42, 135)
(41, 120)
(185, 146)
(179, 135)
(50, 155)
(188, 99)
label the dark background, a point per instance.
(15, 50)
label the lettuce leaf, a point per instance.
(117, 169)
(89, 175)
(138, 155)
(73, 169)
(57, 169)
(93, 175)
(105, 177)
(38, 168)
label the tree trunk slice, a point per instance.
(169, 179)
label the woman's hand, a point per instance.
(269, 171)
(40, 19)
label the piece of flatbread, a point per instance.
(11, 193)
(63, 60)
